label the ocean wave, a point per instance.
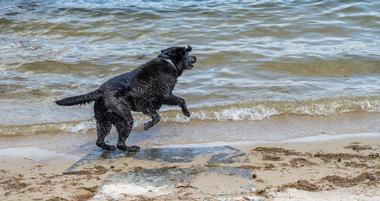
(262, 110)
(253, 111)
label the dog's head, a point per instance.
(180, 56)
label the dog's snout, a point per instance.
(193, 59)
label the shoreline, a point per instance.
(302, 140)
(285, 127)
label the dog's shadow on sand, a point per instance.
(219, 154)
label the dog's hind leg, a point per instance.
(103, 125)
(103, 128)
(123, 129)
(122, 120)
(155, 119)
(124, 126)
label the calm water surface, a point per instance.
(256, 59)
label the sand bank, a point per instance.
(342, 168)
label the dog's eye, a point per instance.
(183, 51)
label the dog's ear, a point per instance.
(174, 53)
(180, 51)
(164, 54)
(188, 48)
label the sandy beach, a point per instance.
(70, 167)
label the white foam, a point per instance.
(257, 113)
(317, 138)
(34, 153)
(262, 110)
(83, 126)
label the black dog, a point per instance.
(144, 89)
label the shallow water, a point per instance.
(256, 59)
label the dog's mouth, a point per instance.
(191, 61)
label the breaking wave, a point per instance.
(253, 111)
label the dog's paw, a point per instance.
(107, 147)
(128, 148)
(133, 148)
(186, 113)
(147, 126)
(121, 147)
(110, 148)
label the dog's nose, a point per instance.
(193, 59)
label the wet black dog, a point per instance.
(144, 89)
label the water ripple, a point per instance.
(248, 50)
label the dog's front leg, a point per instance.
(174, 100)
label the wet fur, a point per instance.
(144, 89)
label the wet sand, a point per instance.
(279, 171)
(333, 167)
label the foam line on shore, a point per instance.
(34, 153)
(317, 138)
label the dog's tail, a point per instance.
(81, 99)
